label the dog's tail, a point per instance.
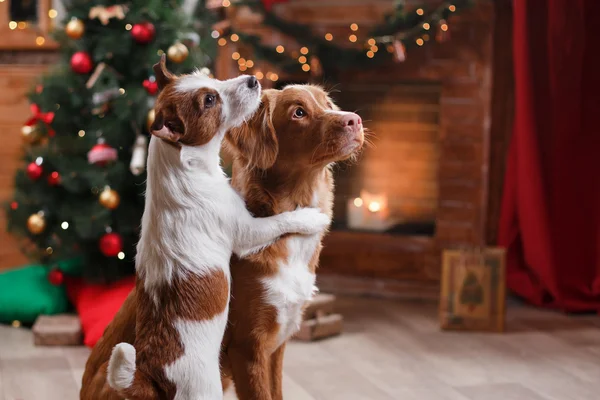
(123, 377)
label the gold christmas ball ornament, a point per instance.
(75, 29)
(31, 133)
(36, 223)
(150, 119)
(109, 198)
(178, 53)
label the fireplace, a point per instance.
(393, 189)
(424, 185)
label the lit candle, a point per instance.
(369, 212)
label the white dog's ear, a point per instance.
(164, 131)
(162, 74)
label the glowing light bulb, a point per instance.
(374, 206)
(358, 202)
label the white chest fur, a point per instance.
(294, 284)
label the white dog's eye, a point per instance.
(209, 100)
(299, 113)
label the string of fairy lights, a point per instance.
(40, 40)
(312, 52)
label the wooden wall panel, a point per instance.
(16, 81)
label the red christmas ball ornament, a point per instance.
(111, 244)
(268, 4)
(81, 62)
(101, 154)
(34, 171)
(56, 277)
(143, 32)
(151, 86)
(54, 178)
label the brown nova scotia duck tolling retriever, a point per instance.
(282, 161)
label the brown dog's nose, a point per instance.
(352, 119)
(252, 82)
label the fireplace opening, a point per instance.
(393, 188)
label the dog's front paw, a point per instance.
(311, 220)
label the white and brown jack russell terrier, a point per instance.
(192, 223)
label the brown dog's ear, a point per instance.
(162, 74)
(162, 130)
(256, 140)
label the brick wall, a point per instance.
(456, 153)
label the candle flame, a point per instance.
(374, 206)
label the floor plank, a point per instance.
(388, 350)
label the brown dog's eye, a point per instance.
(209, 100)
(299, 113)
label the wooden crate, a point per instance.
(320, 321)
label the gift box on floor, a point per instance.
(473, 289)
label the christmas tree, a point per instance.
(80, 192)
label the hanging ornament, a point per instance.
(34, 170)
(443, 32)
(36, 223)
(31, 134)
(143, 32)
(105, 14)
(268, 4)
(111, 244)
(191, 39)
(101, 154)
(138, 157)
(56, 277)
(151, 86)
(150, 119)
(399, 51)
(109, 198)
(38, 116)
(54, 179)
(178, 53)
(81, 62)
(75, 28)
(316, 70)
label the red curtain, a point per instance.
(550, 219)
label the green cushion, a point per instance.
(26, 293)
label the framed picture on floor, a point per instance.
(473, 290)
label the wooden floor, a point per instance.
(389, 350)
